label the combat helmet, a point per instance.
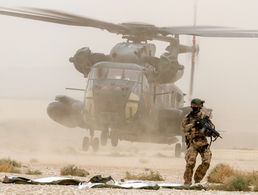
(198, 102)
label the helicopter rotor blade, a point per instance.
(31, 15)
(62, 18)
(84, 21)
(150, 31)
(211, 31)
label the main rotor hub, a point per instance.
(139, 32)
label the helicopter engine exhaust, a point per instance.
(66, 111)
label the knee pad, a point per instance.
(190, 165)
(206, 164)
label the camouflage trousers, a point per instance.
(190, 157)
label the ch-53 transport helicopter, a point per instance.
(130, 93)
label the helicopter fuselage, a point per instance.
(113, 94)
(119, 97)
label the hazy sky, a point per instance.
(34, 55)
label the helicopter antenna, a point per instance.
(194, 52)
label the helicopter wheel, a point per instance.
(178, 149)
(95, 144)
(104, 137)
(114, 138)
(85, 144)
(183, 148)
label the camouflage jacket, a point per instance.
(193, 136)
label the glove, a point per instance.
(198, 125)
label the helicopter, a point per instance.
(130, 93)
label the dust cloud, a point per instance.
(28, 133)
(225, 78)
(26, 130)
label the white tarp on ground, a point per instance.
(55, 180)
(137, 184)
(128, 184)
(125, 184)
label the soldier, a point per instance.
(196, 142)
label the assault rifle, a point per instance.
(208, 126)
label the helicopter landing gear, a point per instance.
(183, 148)
(104, 137)
(85, 144)
(114, 138)
(178, 150)
(95, 144)
(92, 141)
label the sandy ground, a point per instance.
(116, 163)
(29, 136)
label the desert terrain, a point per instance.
(30, 137)
(35, 64)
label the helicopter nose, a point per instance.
(110, 99)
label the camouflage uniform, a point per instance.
(197, 143)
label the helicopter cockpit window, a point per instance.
(132, 75)
(124, 74)
(115, 73)
(101, 73)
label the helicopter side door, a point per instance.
(169, 100)
(146, 97)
